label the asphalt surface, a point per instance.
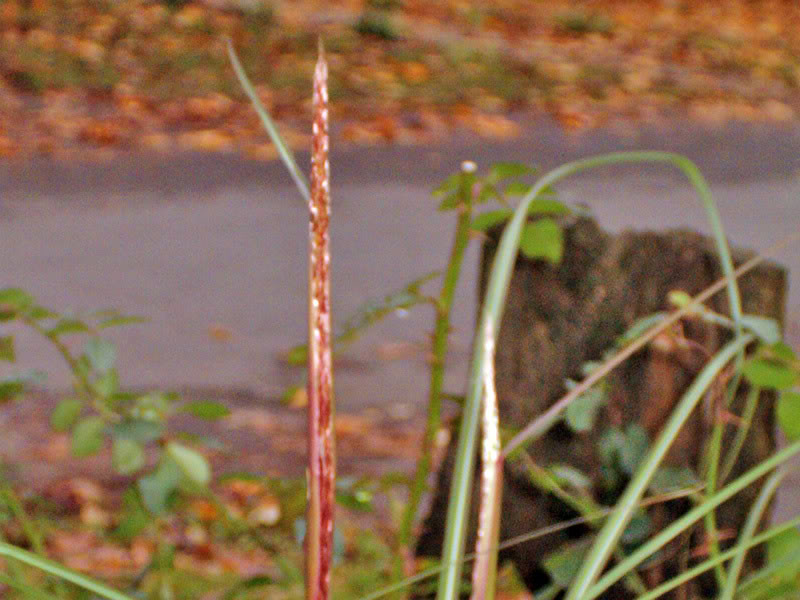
(212, 249)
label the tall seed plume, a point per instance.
(322, 466)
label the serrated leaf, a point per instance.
(581, 412)
(517, 188)
(770, 374)
(543, 239)
(14, 299)
(87, 436)
(487, 192)
(787, 412)
(489, 219)
(192, 464)
(206, 409)
(67, 325)
(548, 206)
(506, 170)
(65, 414)
(139, 430)
(127, 456)
(563, 564)
(450, 202)
(157, 488)
(100, 353)
(448, 185)
(7, 348)
(670, 479)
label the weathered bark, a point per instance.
(557, 318)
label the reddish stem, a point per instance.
(321, 462)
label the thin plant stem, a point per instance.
(280, 144)
(754, 517)
(444, 305)
(712, 456)
(321, 462)
(751, 403)
(484, 574)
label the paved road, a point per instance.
(196, 242)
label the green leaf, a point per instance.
(768, 373)
(65, 414)
(766, 329)
(101, 354)
(87, 436)
(67, 325)
(517, 188)
(114, 319)
(671, 479)
(581, 412)
(506, 170)
(783, 351)
(542, 239)
(448, 186)
(38, 312)
(193, 465)
(487, 192)
(14, 300)
(135, 518)
(127, 456)
(138, 430)
(450, 202)
(634, 449)
(107, 384)
(788, 414)
(297, 356)
(157, 488)
(487, 220)
(206, 409)
(638, 529)
(154, 406)
(546, 206)
(10, 388)
(610, 444)
(563, 564)
(7, 348)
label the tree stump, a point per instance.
(557, 318)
